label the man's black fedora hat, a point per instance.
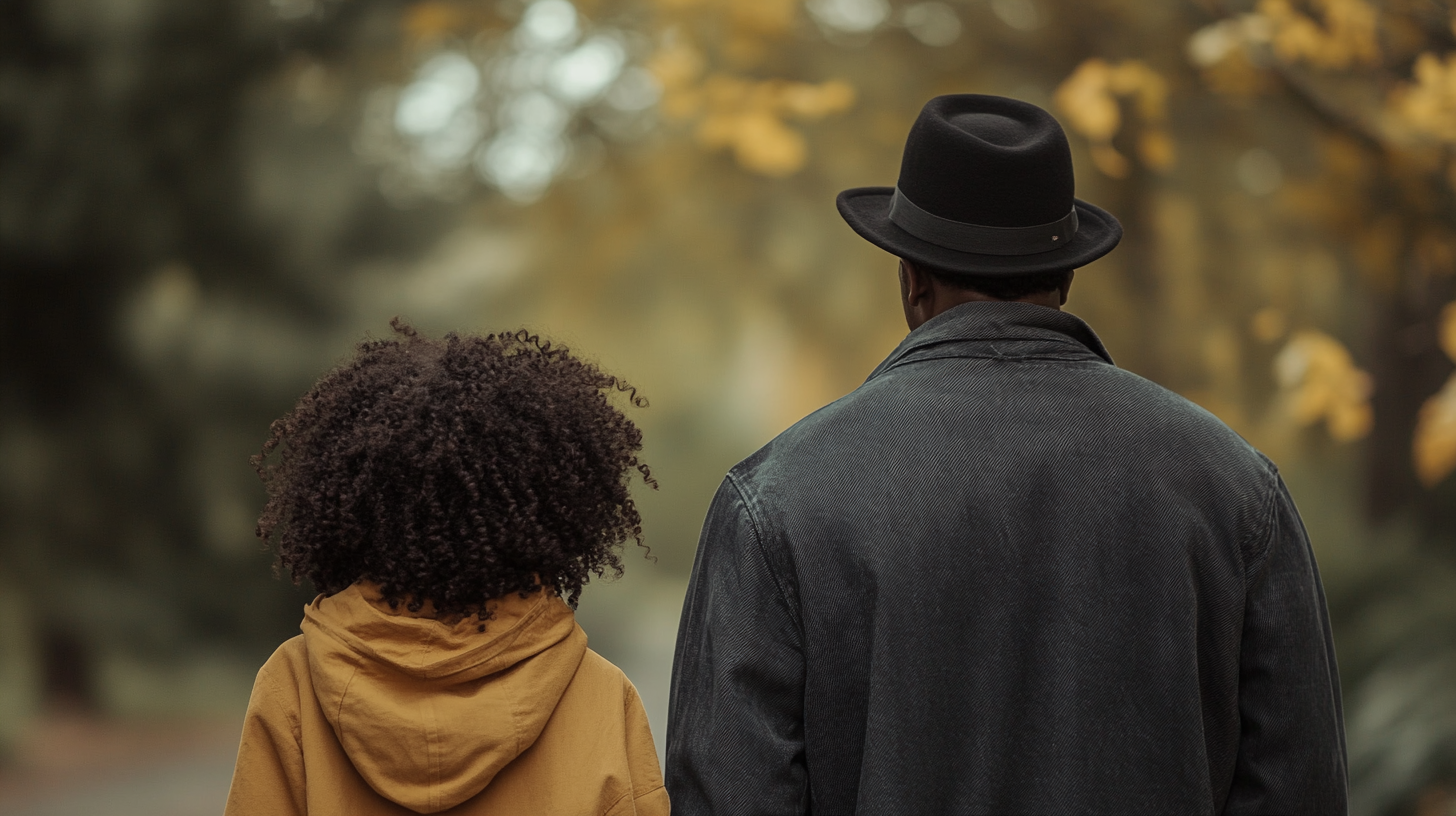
(985, 188)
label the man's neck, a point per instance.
(952, 298)
(944, 298)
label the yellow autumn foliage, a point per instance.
(1447, 336)
(762, 17)
(753, 17)
(1323, 383)
(1089, 99)
(430, 20)
(814, 102)
(1344, 37)
(1236, 76)
(1428, 105)
(1087, 102)
(747, 117)
(1434, 445)
(1146, 87)
(760, 141)
(1155, 148)
(1269, 324)
(676, 66)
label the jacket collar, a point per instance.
(983, 322)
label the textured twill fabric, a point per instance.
(1005, 577)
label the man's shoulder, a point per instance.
(1109, 411)
(813, 434)
(1165, 419)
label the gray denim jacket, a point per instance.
(1004, 576)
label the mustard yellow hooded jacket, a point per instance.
(380, 711)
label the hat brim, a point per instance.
(867, 211)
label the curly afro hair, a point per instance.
(454, 471)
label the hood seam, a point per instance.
(516, 729)
(516, 719)
(432, 730)
(344, 695)
(432, 746)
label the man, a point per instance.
(1003, 576)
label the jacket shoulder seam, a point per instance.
(617, 801)
(651, 790)
(1264, 533)
(270, 675)
(778, 582)
(633, 795)
(628, 794)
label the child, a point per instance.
(449, 499)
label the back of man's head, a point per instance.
(1009, 287)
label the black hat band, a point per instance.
(975, 238)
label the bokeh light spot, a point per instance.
(443, 87)
(521, 164)
(537, 112)
(934, 24)
(637, 90)
(1259, 172)
(851, 16)
(1021, 15)
(548, 24)
(588, 70)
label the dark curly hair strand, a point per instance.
(454, 471)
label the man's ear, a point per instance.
(1067, 286)
(914, 284)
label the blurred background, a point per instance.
(204, 205)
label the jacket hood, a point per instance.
(429, 711)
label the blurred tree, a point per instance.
(129, 205)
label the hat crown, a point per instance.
(988, 160)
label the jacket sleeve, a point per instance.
(649, 797)
(268, 778)
(1292, 736)
(735, 730)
